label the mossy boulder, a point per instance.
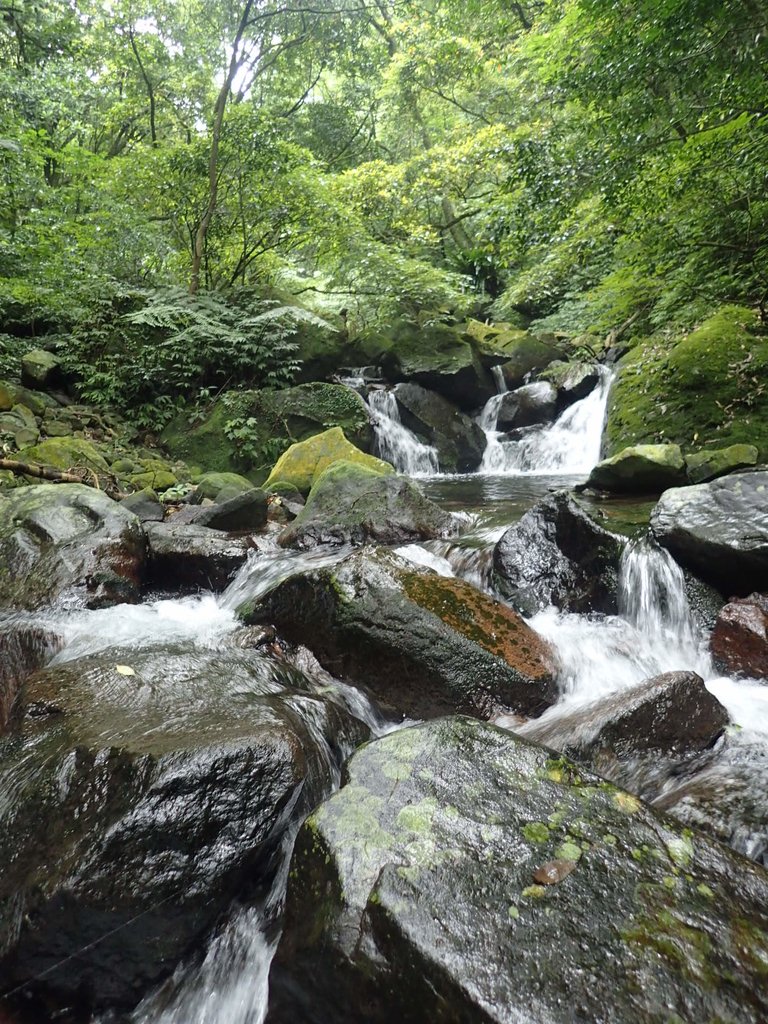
(464, 875)
(352, 503)
(13, 394)
(245, 432)
(423, 644)
(155, 479)
(703, 466)
(573, 380)
(641, 469)
(68, 545)
(304, 461)
(41, 370)
(441, 358)
(210, 485)
(66, 453)
(704, 390)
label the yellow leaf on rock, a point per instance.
(125, 670)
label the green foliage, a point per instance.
(173, 347)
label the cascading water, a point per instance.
(570, 445)
(394, 442)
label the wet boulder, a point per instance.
(672, 715)
(68, 545)
(422, 644)
(145, 505)
(573, 381)
(462, 874)
(708, 465)
(443, 359)
(150, 787)
(719, 530)
(459, 441)
(24, 647)
(352, 504)
(642, 469)
(187, 557)
(239, 513)
(557, 555)
(528, 406)
(739, 641)
(304, 461)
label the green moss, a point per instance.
(705, 390)
(305, 462)
(66, 453)
(536, 832)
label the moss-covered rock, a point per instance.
(703, 466)
(704, 390)
(12, 394)
(463, 875)
(642, 469)
(303, 463)
(352, 503)
(210, 485)
(245, 432)
(442, 358)
(66, 453)
(41, 369)
(423, 644)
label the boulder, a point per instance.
(211, 485)
(304, 461)
(244, 511)
(41, 370)
(459, 441)
(151, 786)
(441, 358)
(245, 431)
(24, 647)
(68, 545)
(66, 453)
(528, 406)
(145, 506)
(573, 381)
(672, 715)
(463, 875)
(557, 555)
(352, 504)
(517, 352)
(423, 644)
(702, 389)
(739, 641)
(642, 469)
(719, 530)
(187, 557)
(703, 466)
(36, 401)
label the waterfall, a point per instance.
(394, 442)
(570, 445)
(652, 597)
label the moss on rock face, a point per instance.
(304, 462)
(246, 431)
(707, 389)
(703, 466)
(66, 453)
(642, 469)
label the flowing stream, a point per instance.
(570, 445)
(654, 632)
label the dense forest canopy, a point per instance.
(186, 182)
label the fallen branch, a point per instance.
(84, 475)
